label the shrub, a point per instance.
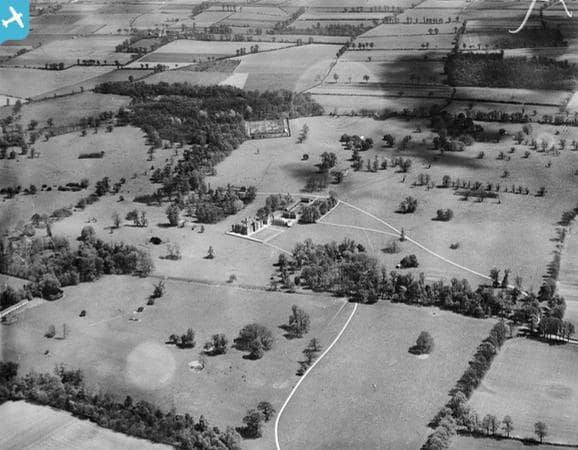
(408, 262)
(51, 332)
(424, 344)
(255, 338)
(409, 205)
(445, 215)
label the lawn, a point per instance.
(370, 390)
(544, 390)
(118, 355)
(25, 425)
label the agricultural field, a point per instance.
(544, 391)
(67, 110)
(131, 356)
(295, 68)
(418, 72)
(471, 443)
(347, 402)
(36, 427)
(183, 52)
(69, 51)
(29, 83)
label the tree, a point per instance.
(328, 160)
(188, 339)
(210, 253)
(366, 78)
(173, 213)
(389, 140)
(299, 321)
(409, 262)
(494, 276)
(507, 425)
(218, 345)
(311, 351)
(267, 410)
(409, 205)
(541, 430)
(253, 422)
(87, 234)
(255, 338)
(115, 220)
(51, 332)
(424, 344)
(490, 424)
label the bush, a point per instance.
(409, 205)
(424, 344)
(408, 262)
(255, 338)
(444, 215)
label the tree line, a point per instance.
(65, 389)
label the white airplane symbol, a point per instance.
(16, 17)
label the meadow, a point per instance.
(123, 356)
(67, 110)
(29, 83)
(545, 390)
(68, 51)
(295, 68)
(25, 425)
(370, 390)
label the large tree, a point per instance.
(299, 321)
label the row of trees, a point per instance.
(66, 390)
(313, 212)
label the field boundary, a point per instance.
(307, 373)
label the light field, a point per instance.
(68, 51)
(370, 390)
(545, 390)
(131, 357)
(31, 82)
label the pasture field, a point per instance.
(187, 76)
(545, 390)
(68, 51)
(58, 162)
(85, 85)
(340, 103)
(209, 18)
(488, 232)
(403, 72)
(295, 68)
(31, 83)
(457, 106)
(403, 29)
(370, 390)
(409, 42)
(396, 55)
(68, 110)
(123, 356)
(522, 96)
(29, 426)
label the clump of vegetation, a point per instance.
(186, 340)
(313, 212)
(424, 344)
(256, 339)
(407, 206)
(444, 215)
(299, 322)
(65, 389)
(218, 345)
(409, 262)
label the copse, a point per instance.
(407, 206)
(256, 339)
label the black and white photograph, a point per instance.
(288, 224)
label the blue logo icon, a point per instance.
(15, 20)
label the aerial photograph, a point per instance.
(288, 224)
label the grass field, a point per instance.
(69, 50)
(544, 390)
(296, 68)
(370, 391)
(39, 427)
(68, 110)
(402, 72)
(33, 82)
(131, 357)
(58, 162)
